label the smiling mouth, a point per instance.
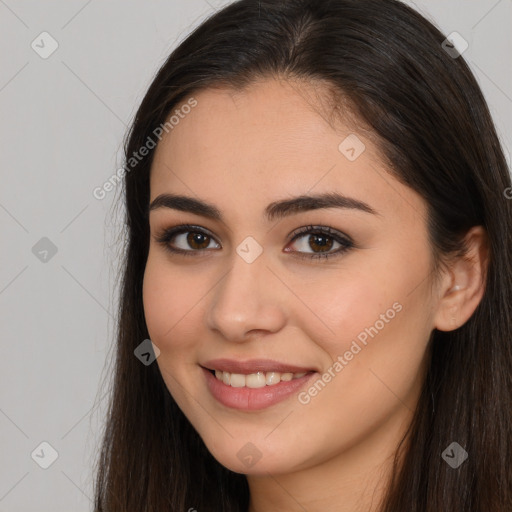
(255, 380)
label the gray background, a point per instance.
(62, 123)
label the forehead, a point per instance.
(270, 140)
(267, 119)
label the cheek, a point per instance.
(342, 306)
(169, 297)
(378, 319)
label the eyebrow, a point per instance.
(275, 210)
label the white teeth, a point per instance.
(255, 380)
(237, 380)
(272, 378)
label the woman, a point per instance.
(318, 241)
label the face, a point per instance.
(339, 290)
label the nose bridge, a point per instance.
(244, 300)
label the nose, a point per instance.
(248, 300)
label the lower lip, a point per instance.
(253, 399)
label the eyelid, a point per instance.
(320, 229)
(181, 228)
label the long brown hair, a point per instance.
(433, 126)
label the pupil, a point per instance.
(195, 239)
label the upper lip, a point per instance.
(253, 366)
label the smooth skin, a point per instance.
(241, 150)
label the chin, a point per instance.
(249, 459)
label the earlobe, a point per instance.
(464, 287)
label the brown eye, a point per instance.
(318, 241)
(197, 240)
(321, 242)
(187, 240)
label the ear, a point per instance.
(463, 286)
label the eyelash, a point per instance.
(165, 237)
